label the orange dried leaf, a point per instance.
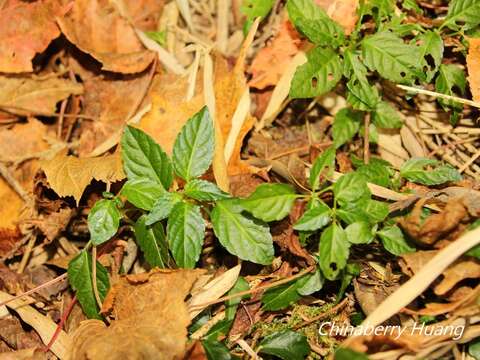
(151, 319)
(473, 65)
(25, 29)
(96, 27)
(343, 12)
(69, 175)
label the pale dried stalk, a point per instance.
(422, 280)
(440, 96)
(223, 7)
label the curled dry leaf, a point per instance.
(26, 29)
(69, 175)
(29, 96)
(96, 27)
(435, 226)
(151, 319)
(473, 65)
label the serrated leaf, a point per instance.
(193, 148)
(385, 116)
(333, 251)
(103, 221)
(80, 279)
(394, 241)
(430, 58)
(365, 209)
(326, 161)
(270, 202)
(465, 13)
(185, 234)
(153, 242)
(375, 173)
(256, 8)
(142, 192)
(215, 350)
(394, 60)
(286, 344)
(311, 283)
(162, 207)
(345, 126)
(376, 211)
(359, 233)
(241, 236)
(314, 219)
(451, 79)
(350, 188)
(281, 297)
(415, 170)
(203, 190)
(318, 76)
(144, 159)
(232, 304)
(312, 21)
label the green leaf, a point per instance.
(81, 280)
(311, 283)
(219, 330)
(431, 53)
(412, 5)
(256, 8)
(314, 219)
(185, 233)
(359, 233)
(394, 60)
(345, 126)
(376, 173)
(361, 95)
(142, 193)
(270, 202)
(159, 37)
(326, 161)
(350, 271)
(394, 241)
(350, 188)
(318, 76)
(103, 221)
(281, 297)
(193, 148)
(385, 116)
(376, 211)
(474, 349)
(333, 251)
(162, 207)
(343, 353)
(366, 210)
(465, 13)
(286, 344)
(312, 21)
(450, 78)
(143, 158)
(215, 350)
(153, 243)
(414, 170)
(241, 236)
(203, 190)
(231, 305)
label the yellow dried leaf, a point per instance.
(151, 319)
(69, 175)
(473, 65)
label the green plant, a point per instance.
(397, 51)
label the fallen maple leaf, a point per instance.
(27, 96)
(26, 29)
(69, 175)
(151, 319)
(473, 65)
(95, 27)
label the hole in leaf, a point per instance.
(314, 82)
(333, 266)
(430, 61)
(330, 77)
(403, 74)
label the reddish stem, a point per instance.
(61, 323)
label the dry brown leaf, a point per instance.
(144, 14)
(35, 353)
(435, 226)
(151, 319)
(69, 175)
(270, 62)
(466, 269)
(25, 96)
(8, 214)
(473, 65)
(53, 224)
(95, 27)
(111, 103)
(10, 238)
(26, 29)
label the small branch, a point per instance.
(243, 344)
(94, 277)
(439, 95)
